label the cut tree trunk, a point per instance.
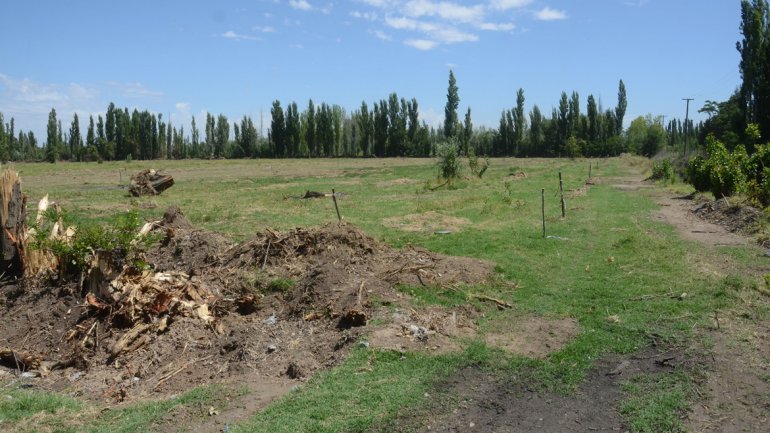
(149, 182)
(13, 216)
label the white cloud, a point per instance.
(183, 107)
(380, 3)
(302, 5)
(421, 44)
(371, 16)
(237, 37)
(444, 10)
(441, 22)
(497, 27)
(432, 117)
(296, 46)
(437, 33)
(264, 29)
(381, 35)
(509, 4)
(450, 35)
(135, 90)
(549, 14)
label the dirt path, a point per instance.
(735, 355)
(737, 373)
(493, 404)
(677, 211)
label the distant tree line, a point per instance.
(747, 112)
(391, 127)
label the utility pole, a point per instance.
(686, 124)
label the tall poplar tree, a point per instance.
(520, 122)
(450, 111)
(620, 110)
(755, 55)
(76, 140)
(278, 130)
(52, 138)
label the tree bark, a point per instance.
(13, 216)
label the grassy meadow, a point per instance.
(607, 266)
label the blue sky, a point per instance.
(183, 58)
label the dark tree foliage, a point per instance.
(450, 110)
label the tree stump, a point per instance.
(149, 182)
(13, 217)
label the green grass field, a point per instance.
(605, 269)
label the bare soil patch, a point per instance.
(533, 337)
(737, 366)
(266, 313)
(426, 222)
(737, 380)
(490, 402)
(397, 182)
(678, 212)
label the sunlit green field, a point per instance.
(606, 253)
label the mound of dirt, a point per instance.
(742, 219)
(279, 307)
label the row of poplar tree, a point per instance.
(391, 127)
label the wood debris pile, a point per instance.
(149, 182)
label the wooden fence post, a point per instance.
(334, 198)
(561, 196)
(542, 201)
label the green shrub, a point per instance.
(662, 170)
(722, 172)
(697, 174)
(448, 161)
(473, 163)
(90, 237)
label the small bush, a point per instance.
(662, 170)
(473, 163)
(92, 237)
(722, 172)
(448, 161)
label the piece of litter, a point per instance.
(271, 348)
(558, 238)
(441, 232)
(272, 320)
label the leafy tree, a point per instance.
(310, 129)
(520, 122)
(592, 114)
(195, 139)
(76, 140)
(536, 131)
(563, 119)
(755, 55)
(413, 126)
(365, 127)
(222, 136)
(293, 130)
(91, 150)
(573, 116)
(620, 109)
(467, 132)
(210, 129)
(448, 161)
(52, 140)
(380, 128)
(396, 126)
(450, 110)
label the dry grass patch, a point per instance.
(426, 222)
